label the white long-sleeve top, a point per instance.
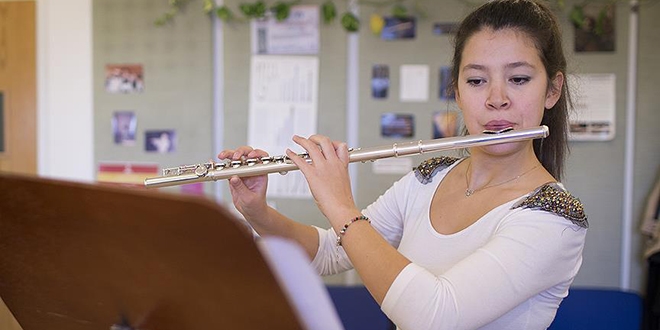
(508, 270)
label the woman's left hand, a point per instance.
(327, 175)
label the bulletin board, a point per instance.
(419, 58)
(153, 90)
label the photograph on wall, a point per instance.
(594, 27)
(444, 28)
(446, 92)
(397, 28)
(124, 78)
(124, 124)
(396, 125)
(445, 124)
(380, 81)
(160, 141)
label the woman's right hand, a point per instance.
(248, 193)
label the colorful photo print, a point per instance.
(445, 124)
(124, 124)
(394, 125)
(160, 141)
(594, 27)
(399, 28)
(446, 92)
(380, 81)
(124, 78)
(444, 28)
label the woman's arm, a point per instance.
(531, 252)
(249, 198)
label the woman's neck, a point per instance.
(485, 169)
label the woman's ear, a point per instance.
(554, 90)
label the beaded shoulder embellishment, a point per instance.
(430, 167)
(552, 198)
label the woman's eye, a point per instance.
(475, 81)
(519, 80)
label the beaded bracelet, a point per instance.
(343, 229)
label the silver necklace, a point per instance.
(469, 192)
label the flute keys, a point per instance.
(201, 169)
(220, 165)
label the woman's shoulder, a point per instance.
(427, 169)
(554, 198)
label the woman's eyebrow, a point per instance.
(474, 67)
(520, 64)
(511, 65)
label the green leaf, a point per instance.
(253, 10)
(225, 14)
(399, 11)
(328, 11)
(259, 9)
(577, 16)
(281, 11)
(247, 9)
(350, 22)
(208, 6)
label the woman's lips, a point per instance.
(497, 125)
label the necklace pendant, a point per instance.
(468, 192)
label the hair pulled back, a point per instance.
(536, 20)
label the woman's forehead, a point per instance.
(504, 45)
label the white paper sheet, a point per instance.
(283, 102)
(414, 86)
(593, 116)
(297, 35)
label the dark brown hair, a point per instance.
(536, 20)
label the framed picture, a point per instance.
(160, 141)
(124, 124)
(444, 28)
(394, 125)
(124, 78)
(446, 92)
(399, 28)
(380, 81)
(445, 124)
(595, 31)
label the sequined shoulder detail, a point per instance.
(552, 198)
(430, 167)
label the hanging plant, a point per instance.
(328, 11)
(281, 10)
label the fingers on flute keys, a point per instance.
(243, 152)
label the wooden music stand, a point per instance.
(82, 256)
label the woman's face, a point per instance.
(503, 83)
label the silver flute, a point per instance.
(213, 171)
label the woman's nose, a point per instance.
(497, 98)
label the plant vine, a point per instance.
(281, 9)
